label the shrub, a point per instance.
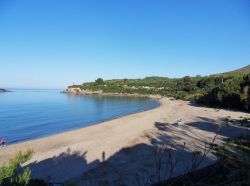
(11, 174)
(99, 81)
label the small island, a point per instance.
(3, 90)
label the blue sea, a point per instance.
(27, 114)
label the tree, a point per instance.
(99, 81)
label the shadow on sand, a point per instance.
(165, 156)
(62, 167)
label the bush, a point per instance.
(99, 81)
(11, 174)
(180, 95)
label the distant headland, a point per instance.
(229, 90)
(3, 90)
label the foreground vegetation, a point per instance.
(229, 90)
(11, 174)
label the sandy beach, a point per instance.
(126, 143)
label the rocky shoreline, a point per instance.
(78, 91)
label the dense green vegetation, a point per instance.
(12, 174)
(229, 90)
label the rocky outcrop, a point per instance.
(82, 92)
(3, 90)
(78, 91)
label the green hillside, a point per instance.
(229, 90)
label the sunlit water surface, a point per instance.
(29, 114)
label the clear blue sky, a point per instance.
(53, 43)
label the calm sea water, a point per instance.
(30, 114)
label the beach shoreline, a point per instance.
(123, 132)
(68, 132)
(156, 99)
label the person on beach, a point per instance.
(3, 141)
